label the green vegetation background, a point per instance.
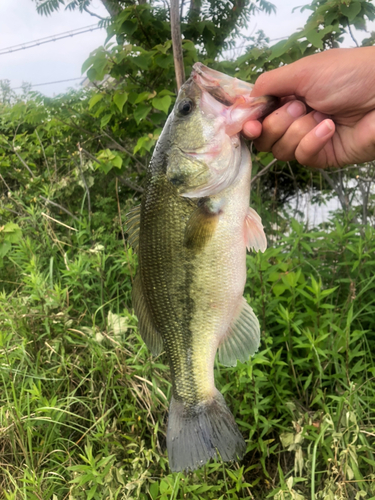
(83, 405)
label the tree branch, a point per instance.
(6, 185)
(351, 34)
(121, 148)
(264, 170)
(13, 149)
(111, 7)
(44, 153)
(128, 183)
(93, 14)
(84, 180)
(92, 157)
(58, 206)
(337, 188)
(177, 45)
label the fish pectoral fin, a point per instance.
(147, 330)
(242, 338)
(133, 219)
(254, 233)
(201, 226)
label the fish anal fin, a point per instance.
(147, 330)
(254, 233)
(242, 338)
(202, 224)
(133, 219)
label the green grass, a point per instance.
(83, 405)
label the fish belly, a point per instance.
(219, 281)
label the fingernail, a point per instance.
(319, 117)
(296, 109)
(323, 129)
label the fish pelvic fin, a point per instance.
(197, 434)
(147, 330)
(254, 232)
(242, 338)
(132, 226)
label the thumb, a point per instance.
(280, 82)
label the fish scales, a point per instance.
(193, 233)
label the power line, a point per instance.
(50, 83)
(48, 39)
(49, 36)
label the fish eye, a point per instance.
(185, 107)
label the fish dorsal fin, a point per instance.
(133, 219)
(147, 330)
(242, 338)
(254, 233)
(201, 225)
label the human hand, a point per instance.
(339, 86)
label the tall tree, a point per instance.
(215, 24)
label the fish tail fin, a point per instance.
(198, 433)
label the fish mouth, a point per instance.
(231, 91)
(226, 89)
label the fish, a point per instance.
(191, 233)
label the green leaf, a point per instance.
(329, 291)
(85, 66)
(273, 276)
(330, 17)
(105, 120)
(266, 158)
(129, 27)
(117, 162)
(11, 232)
(154, 490)
(303, 46)
(350, 11)
(165, 92)
(279, 49)
(279, 289)
(290, 279)
(144, 142)
(369, 461)
(164, 60)
(4, 248)
(315, 38)
(142, 97)
(189, 46)
(306, 246)
(164, 487)
(106, 154)
(163, 48)
(95, 99)
(141, 111)
(91, 493)
(162, 103)
(105, 167)
(142, 61)
(120, 99)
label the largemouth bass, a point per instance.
(191, 233)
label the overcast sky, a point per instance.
(62, 60)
